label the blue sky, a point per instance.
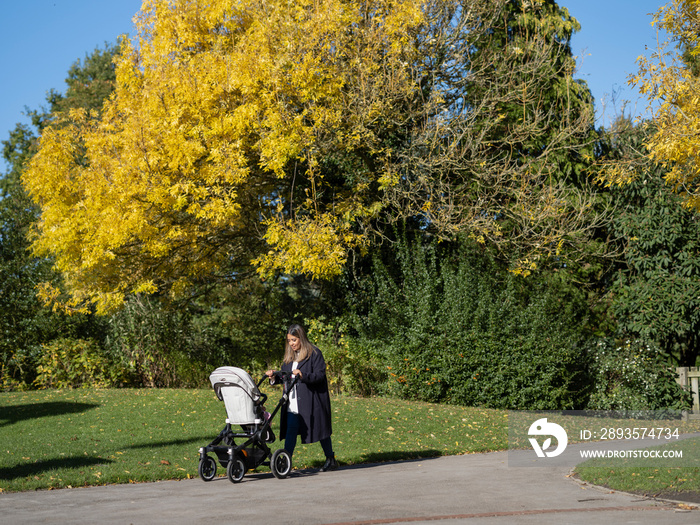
(41, 39)
(613, 34)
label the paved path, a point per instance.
(471, 489)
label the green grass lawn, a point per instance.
(71, 438)
(644, 477)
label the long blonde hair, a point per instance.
(305, 349)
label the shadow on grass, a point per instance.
(16, 413)
(204, 440)
(40, 467)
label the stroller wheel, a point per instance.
(207, 468)
(235, 470)
(281, 463)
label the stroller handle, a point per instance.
(288, 378)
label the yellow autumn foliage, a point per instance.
(221, 108)
(279, 134)
(673, 91)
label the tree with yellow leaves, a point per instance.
(223, 112)
(275, 134)
(669, 79)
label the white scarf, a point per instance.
(293, 400)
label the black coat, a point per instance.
(313, 398)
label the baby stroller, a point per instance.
(245, 407)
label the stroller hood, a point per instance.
(239, 393)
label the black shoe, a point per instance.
(330, 464)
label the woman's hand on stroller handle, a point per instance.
(280, 373)
(288, 378)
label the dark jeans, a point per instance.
(294, 423)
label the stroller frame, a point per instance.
(253, 451)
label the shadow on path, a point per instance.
(369, 461)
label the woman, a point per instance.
(308, 412)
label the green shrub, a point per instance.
(450, 324)
(351, 369)
(18, 370)
(631, 376)
(75, 363)
(155, 347)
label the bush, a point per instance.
(631, 376)
(75, 363)
(19, 369)
(450, 324)
(350, 369)
(155, 347)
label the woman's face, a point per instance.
(293, 342)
